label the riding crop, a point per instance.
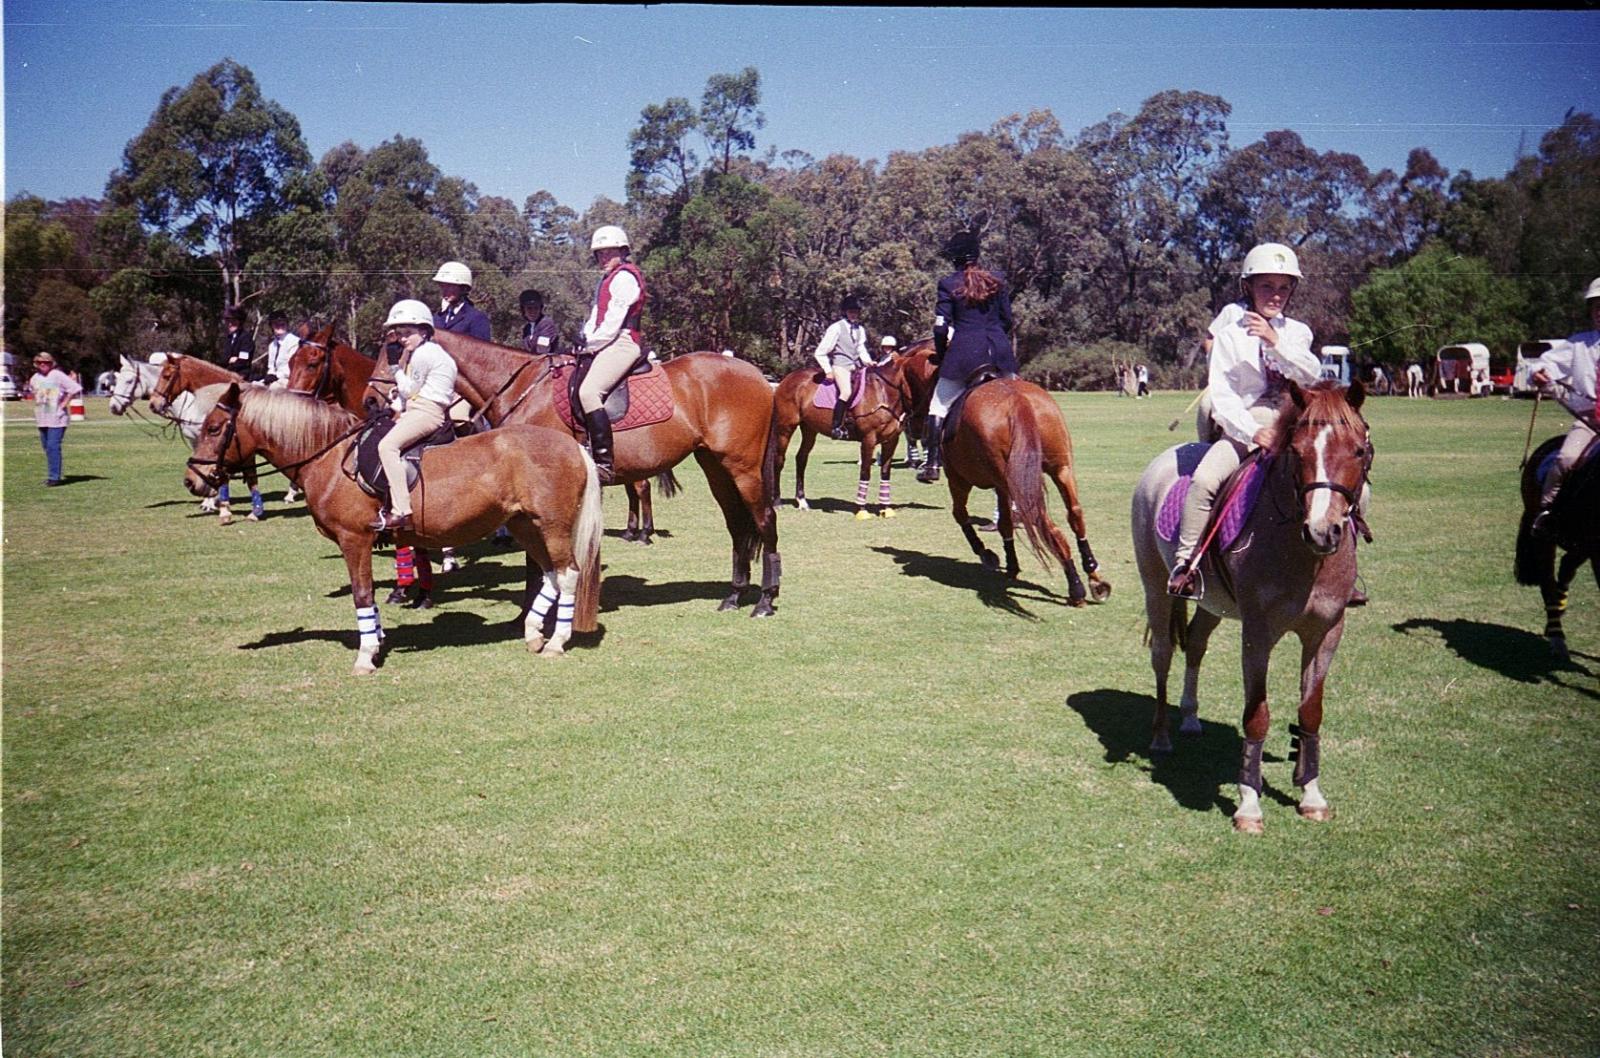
(1173, 425)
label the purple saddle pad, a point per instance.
(1239, 505)
(828, 392)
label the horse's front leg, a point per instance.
(1305, 738)
(864, 477)
(258, 507)
(1067, 484)
(807, 440)
(1257, 719)
(357, 551)
(885, 468)
(647, 512)
(1554, 592)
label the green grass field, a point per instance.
(911, 815)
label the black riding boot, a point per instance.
(598, 423)
(934, 443)
(838, 432)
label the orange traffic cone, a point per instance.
(76, 411)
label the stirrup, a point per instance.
(1541, 528)
(1185, 582)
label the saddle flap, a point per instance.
(1235, 501)
(826, 396)
(369, 468)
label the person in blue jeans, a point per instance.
(52, 389)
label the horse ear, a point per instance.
(231, 395)
(1297, 395)
(1356, 394)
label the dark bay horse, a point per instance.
(189, 374)
(722, 415)
(885, 399)
(1011, 433)
(538, 483)
(328, 369)
(1293, 572)
(1576, 519)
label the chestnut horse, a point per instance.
(885, 399)
(1576, 517)
(538, 483)
(921, 375)
(722, 415)
(328, 369)
(1011, 433)
(1292, 573)
(188, 374)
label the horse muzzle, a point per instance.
(1324, 537)
(198, 484)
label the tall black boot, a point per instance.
(838, 432)
(598, 423)
(934, 441)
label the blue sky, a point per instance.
(522, 98)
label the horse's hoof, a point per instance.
(887, 512)
(225, 518)
(1077, 602)
(1161, 747)
(1191, 726)
(1558, 649)
(254, 516)
(363, 667)
(1248, 825)
(1319, 814)
(553, 650)
(423, 601)
(535, 644)
(396, 597)
(862, 515)
(1100, 590)
(800, 504)
(990, 562)
(730, 603)
(630, 535)
(763, 609)
(644, 541)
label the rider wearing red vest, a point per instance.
(611, 335)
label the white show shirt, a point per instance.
(620, 292)
(429, 374)
(842, 335)
(1242, 367)
(1573, 362)
(279, 350)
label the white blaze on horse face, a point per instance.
(1321, 499)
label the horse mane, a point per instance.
(1325, 403)
(292, 418)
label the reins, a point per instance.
(215, 480)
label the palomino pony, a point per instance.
(1576, 519)
(1291, 571)
(1010, 434)
(328, 369)
(187, 374)
(884, 400)
(538, 483)
(722, 415)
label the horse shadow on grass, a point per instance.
(1198, 769)
(1514, 653)
(443, 630)
(994, 590)
(835, 505)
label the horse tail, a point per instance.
(1024, 472)
(667, 482)
(1535, 562)
(586, 536)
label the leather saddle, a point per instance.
(616, 402)
(369, 469)
(980, 375)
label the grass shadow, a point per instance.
(834, 505)
(1195, 773)
(626, 590)
(78, 479)
(992, 589)
(444, 630)
(1514, 653)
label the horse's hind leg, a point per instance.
(1554, 592)
(1316, 655)
(1195, 640)
(885, 468)
(1257, 720)
(1067, 484)
(807, 440)
(864, 478)
(258, 507)
(1007, 526)
(960, 489)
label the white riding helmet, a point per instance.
(454, 272)
(609, 237)
(412, 312)
(888, 342)
(1270, 258)
(1593, 291)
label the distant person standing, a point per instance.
(540, 335)
(279, 351)
(1144, 381)
(457, 314)
(238, 345)
(52, 389)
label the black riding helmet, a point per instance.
(962, 249)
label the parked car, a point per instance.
(8, 388)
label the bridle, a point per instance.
(324, 373)
(218, 477)
(1365, 453)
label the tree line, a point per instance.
(1120, 241)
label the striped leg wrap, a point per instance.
(405, 566)
(564, 609)
(367, 624)
(546, 599)
(883, 493)
(222, 495)
(861, 494)
(1552, 616)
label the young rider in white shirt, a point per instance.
(424, 389)
(1572, 364)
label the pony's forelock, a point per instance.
(1324, 403)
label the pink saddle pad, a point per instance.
(827, 394)
(1234, 514)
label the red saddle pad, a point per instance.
(649, 399)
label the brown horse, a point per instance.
(722, 415)
(885, 398)
(189, 374)
(1011, 433)
(1293, 574)
(1576, 515)
(328, 369)
(538, 483)
(921, 375)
